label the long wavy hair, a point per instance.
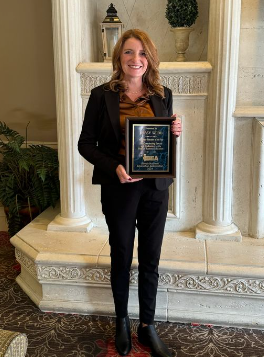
(150, 78)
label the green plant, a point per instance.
(181, 13)
(28, 176)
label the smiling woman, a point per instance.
(134, 90)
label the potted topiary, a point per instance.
(181, 14)
(29, 181)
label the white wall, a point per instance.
(242, 173)
(27, 88)
(149, 15)
(89, 31)
(251, 61)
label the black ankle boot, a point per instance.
(148, 336)
(123, 336)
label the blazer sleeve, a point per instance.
(88, 141)
(168, 100)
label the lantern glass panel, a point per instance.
(111, 39)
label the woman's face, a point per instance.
(133, 59)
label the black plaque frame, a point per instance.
(152, 125)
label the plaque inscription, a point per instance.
(150, 147)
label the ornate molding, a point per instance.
(88, 82)
(91, 275)
(26, 262)
(210, 284)
(187, 84)
(213, 284)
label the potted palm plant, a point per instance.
(181, 15)
(29, 181)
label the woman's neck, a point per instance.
(134, 82)
(135, 87)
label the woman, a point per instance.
(134, 90)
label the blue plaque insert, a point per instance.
(150, 147)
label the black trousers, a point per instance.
(127, 206)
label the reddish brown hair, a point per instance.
(151, 77)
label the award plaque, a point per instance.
(150, 147)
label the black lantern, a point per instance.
(111, 32)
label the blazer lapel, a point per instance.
(112, 105)
(157, 105)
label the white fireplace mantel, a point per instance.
(189, 84)
(164, 67)
(184, 78)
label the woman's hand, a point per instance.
(123, 176)
(176, 127)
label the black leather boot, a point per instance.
(148, 336)
(123, 336)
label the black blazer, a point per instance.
(100, 139)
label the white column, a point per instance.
(67, 54)
(257, 181)
(223, 47)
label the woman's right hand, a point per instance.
(123, 176)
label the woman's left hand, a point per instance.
(176, 126)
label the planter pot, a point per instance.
(181, 35)
(26, 215)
